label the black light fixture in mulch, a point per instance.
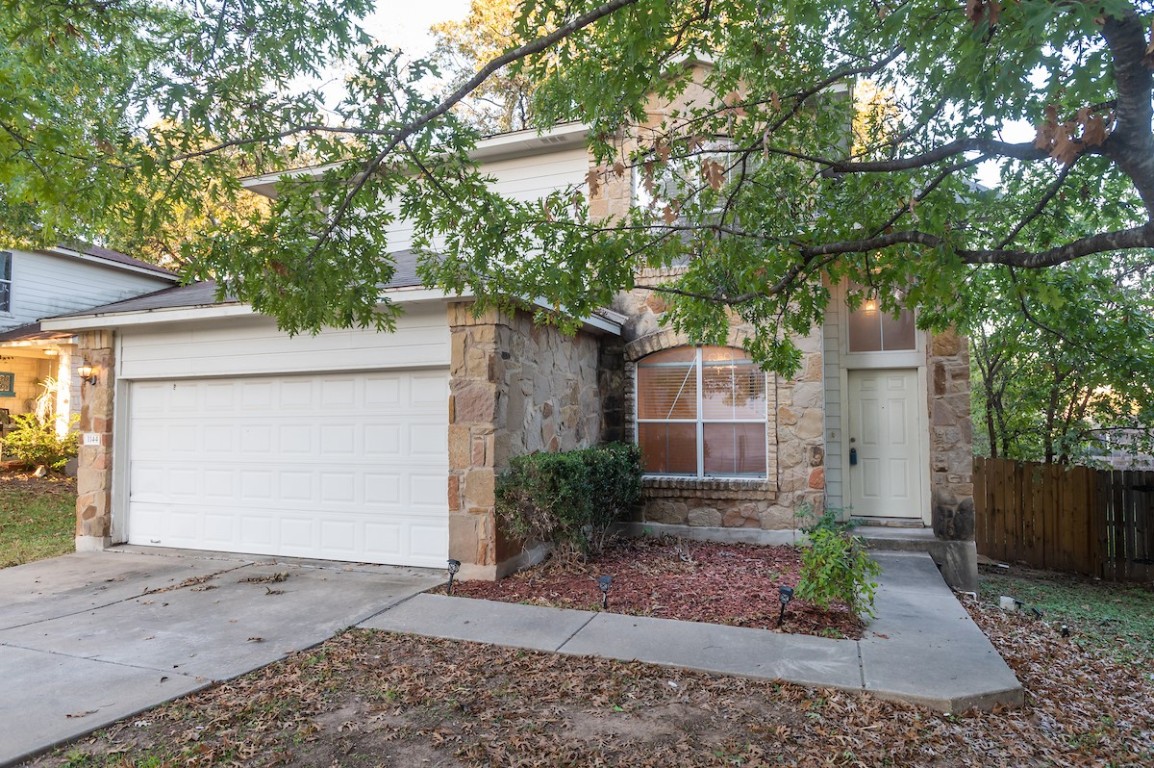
(603, 584)
(454, 566)
(784, 594)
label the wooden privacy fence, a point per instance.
(1094, 522)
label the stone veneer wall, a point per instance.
(94, 464)
(951, 437)
(795, 422)
(515, 387)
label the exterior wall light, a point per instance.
(88, 373)
(454, 566)
(603, 584)
(785, 594)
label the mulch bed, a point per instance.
(735, 584)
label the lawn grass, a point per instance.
(37, 518)
(1116, 618)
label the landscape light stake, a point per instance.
(785, 594)
(454, 566)
(603, 583)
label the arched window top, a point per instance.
(689, 354)
(701, 412)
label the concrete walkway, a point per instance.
(88, 639)
(922, 647)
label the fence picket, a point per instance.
(1095, 522)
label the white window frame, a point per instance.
(898, 358)
(683, 171)
(700, 421)
(7, 256)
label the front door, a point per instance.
(885, 465)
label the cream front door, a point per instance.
(885, 465)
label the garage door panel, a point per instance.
(381, 489)
(383, 391)
(424, 439)
(347, 467)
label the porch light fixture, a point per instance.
(603, 584)
(454, 566)
(785, 594)
(88, 373)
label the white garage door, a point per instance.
(342, 466)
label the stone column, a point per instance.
(952, 460)
(951, 431)
(94, 473)
(473, 400)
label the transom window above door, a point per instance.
(872, 329)
(701, 412)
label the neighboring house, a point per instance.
(1121, 449)
(385, 447)
(45, 283)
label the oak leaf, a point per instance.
(1066, 149)
(1094, 130)
(713, 174)
(593, 179)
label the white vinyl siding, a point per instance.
(46, 285)
(832, 370)
(253, 345)
(523, 178)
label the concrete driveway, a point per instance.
(87, 639)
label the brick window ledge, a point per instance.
(708, 484)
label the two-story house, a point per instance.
(36, 284)
(385, 447)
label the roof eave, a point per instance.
(500, 147)
(160, 273)
(594, 323)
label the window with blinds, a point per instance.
(701, 413)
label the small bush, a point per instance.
(570, 499)
(835, 567)
(34, 442)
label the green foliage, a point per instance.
(1063, 360)
(35, 442)
(570, 499)
(504, 102)
(803, 192)
(837, 568)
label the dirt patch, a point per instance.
(378, 699)
(734, 584)
(52, 484)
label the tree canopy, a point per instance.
(505, 101)
(1063, 361)
(757, 181)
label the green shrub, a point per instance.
(34, 441)
(570, 499)
(837, 568)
